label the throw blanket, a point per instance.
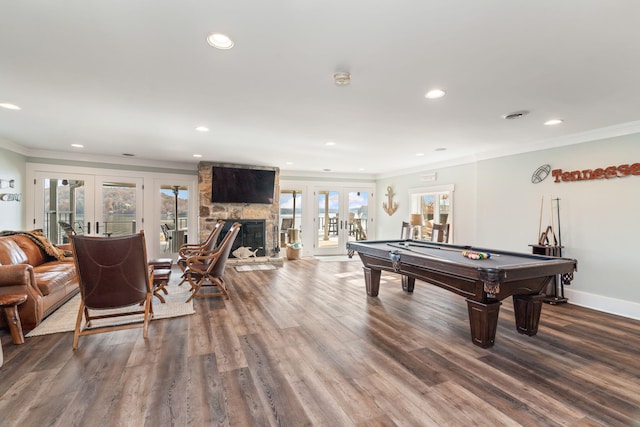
(43, 243)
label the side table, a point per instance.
(9, 303)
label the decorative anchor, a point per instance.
(392, 206)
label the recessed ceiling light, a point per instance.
(9, 106)
(329, 143)
(419, 154)
(197, 155)
(289, 163)
(219, 41)
(77, 145)
(435, 94)
(202, 129)
(553, 122)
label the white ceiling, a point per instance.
(137, 76)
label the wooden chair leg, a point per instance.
(76, 332)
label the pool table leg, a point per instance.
(408, 283)
(483, 319)
(372, 280)
(527, 310)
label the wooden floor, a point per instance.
(304, 345)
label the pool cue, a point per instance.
(553, 230)
(540, 224)
(406, 248)
(563, 299)
(426, 245)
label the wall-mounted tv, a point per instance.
(242, 185)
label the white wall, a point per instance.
(497, 206)
(12, 166)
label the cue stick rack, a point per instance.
(546, 247)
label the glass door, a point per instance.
(342, 215)
(86, 205)
(174, 217)
(119, 206)
(328, 236)
(62, 204)
(290, 217)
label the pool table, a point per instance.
(484, 282)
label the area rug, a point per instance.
(64, 318)
(254, 267)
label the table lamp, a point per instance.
(417, 221)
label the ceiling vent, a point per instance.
(515, 115)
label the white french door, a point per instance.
(341, 215)
(88, 204)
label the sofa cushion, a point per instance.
(11, 253)
(52, 276)
(35, 255)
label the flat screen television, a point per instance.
(241, 185)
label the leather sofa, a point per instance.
(31, 265)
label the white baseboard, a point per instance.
(601, 303)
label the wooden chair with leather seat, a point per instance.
(191, 249)
(112, 273)
(207, 269)
(440, 233)
(407, 231)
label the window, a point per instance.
(435, 205)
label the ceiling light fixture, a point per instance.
(342, 78)
(330, 143)
(553, 122)
(220, 41)
(202, 129)
(9, 106)
(419, 154)
(197, 155)
(435, 94)
(77, 145)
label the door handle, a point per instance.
(97, 227)
(88, 228)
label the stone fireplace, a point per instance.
(251, 215)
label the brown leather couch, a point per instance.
(31, 265)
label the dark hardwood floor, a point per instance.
(304, 345)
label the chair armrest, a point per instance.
(195, 262)
(185, 251)
(18, 275)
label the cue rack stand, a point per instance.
(551, 245)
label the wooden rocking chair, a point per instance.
(207, 268)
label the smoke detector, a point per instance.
(342, 78)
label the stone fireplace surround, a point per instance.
(210, 212)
